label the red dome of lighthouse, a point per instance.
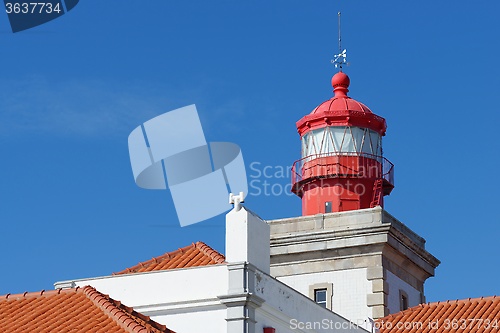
(341, 110)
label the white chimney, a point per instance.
(247, 238)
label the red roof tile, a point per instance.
(196, 254)
(71, 310)
(468, 315)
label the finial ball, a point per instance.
(340, 80)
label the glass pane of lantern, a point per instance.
(347, 143)
(331, 140)
(357, 138)
(321, 140)
(307, 144)
(376, 143)
(327, 143)
(367, 146)
(317, 136)
(337, 135)
(305, 148)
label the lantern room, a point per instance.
(342, 166)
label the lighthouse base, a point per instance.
(329, 195)
(365, 260)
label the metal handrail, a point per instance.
(387, 166)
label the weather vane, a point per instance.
(340, 58)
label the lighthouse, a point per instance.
(346, 252)
(342, 167)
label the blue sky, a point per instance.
(73, 89)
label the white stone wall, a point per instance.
(291, 312)
(350, 288)
(189, 300)
(185, 300)
(201, 321)
(396, 284)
